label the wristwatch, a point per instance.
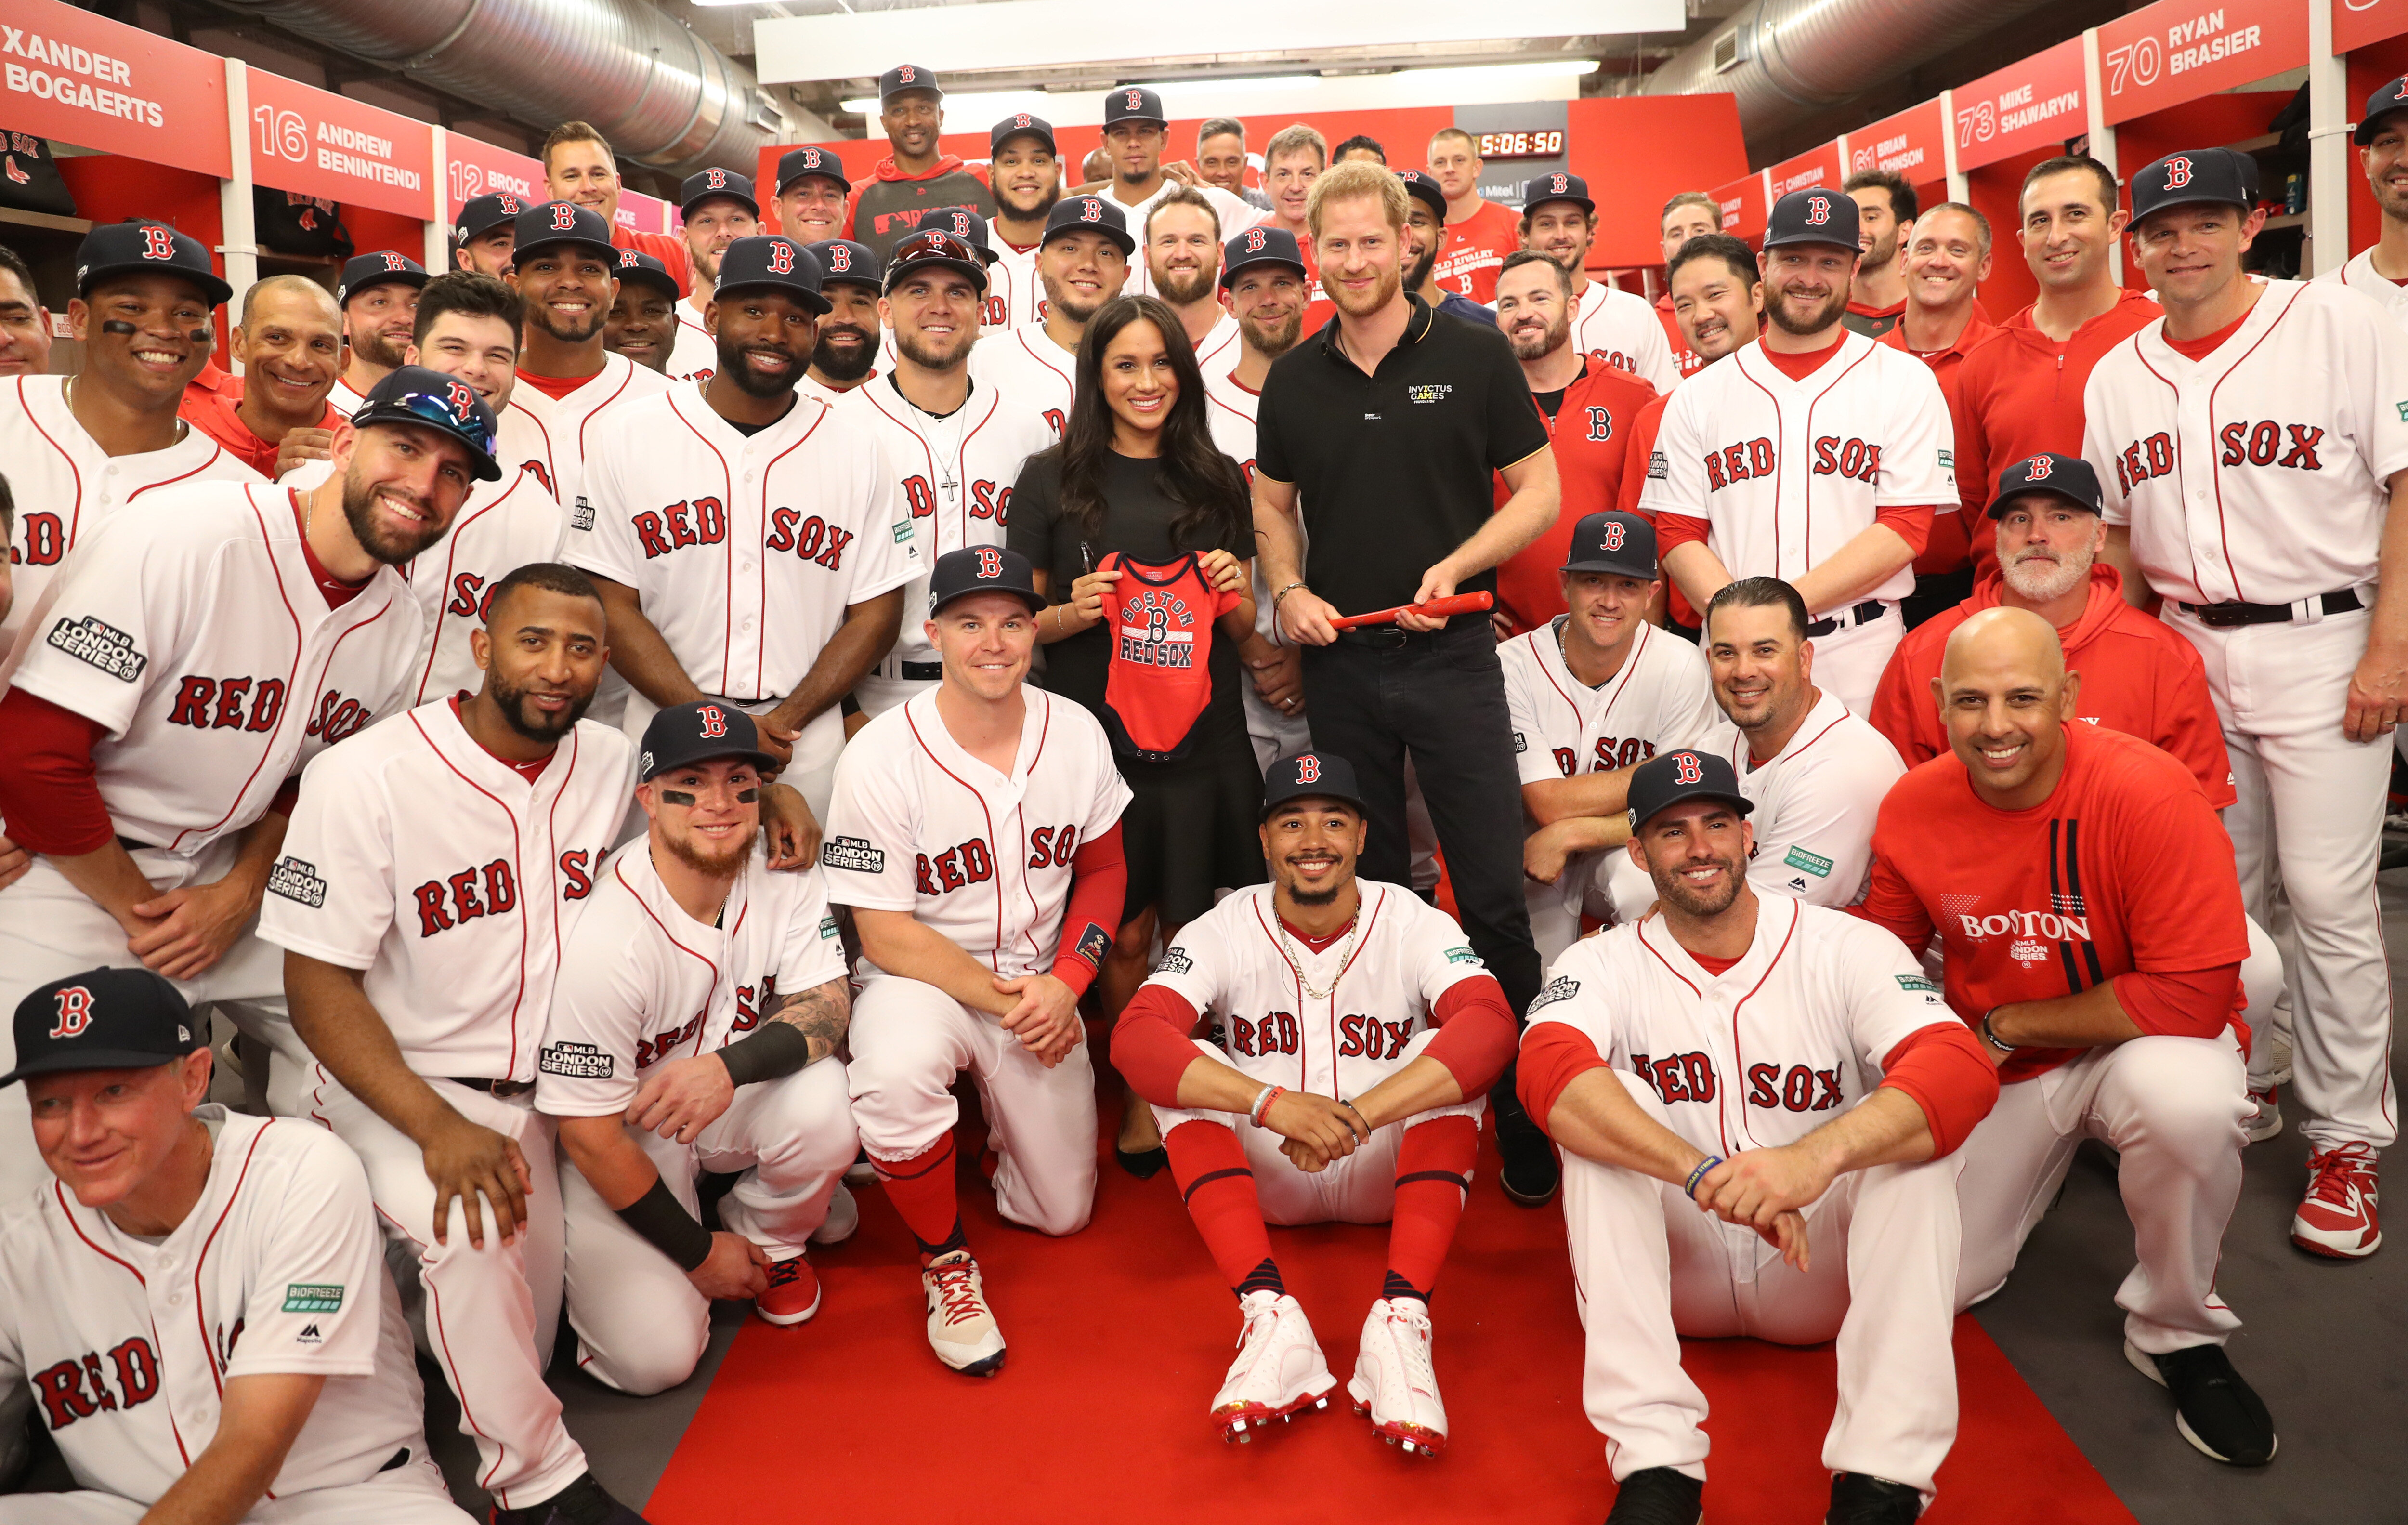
(1990, 1036)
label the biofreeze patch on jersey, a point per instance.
(313, 1297)
(1917, 983)
(574, 1061)
(854, 852)
(102, 646)
(1462, 956)
(298, 881)
(1800, 858)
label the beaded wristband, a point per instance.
(1698, 1174)
(1263, 1103)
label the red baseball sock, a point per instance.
(1218, 1186)
(922, 1190)
(1433, 1179)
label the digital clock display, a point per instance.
(1535, 145)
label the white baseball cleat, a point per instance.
(961, 1327)
(1279, 1369)
(843, 1217)
(1393, 1379)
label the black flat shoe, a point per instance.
(1145, 1164)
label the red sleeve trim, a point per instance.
(1947, 549)
(1673, 529)
(2188, 1003)
(1099, 895)
(1943, 1068)
(1554, 1055)
(1476, 1034)
(1151, 1047)
(48, 791)
(1912, 520)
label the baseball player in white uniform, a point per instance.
(700, 1003)
(2382, 139)
(976, 834)
(1267, 286)
(1370, 1001)
(1815, 456)
(2253, 476)
(1183, 262)
(1136, 134)
(1025, 174)
(379, 297)
(146, 745)
(140, 286)
(715, 208)
(1754, 1097)
(570, 385)
(753, 541)
(1610, 325)
(1814, 771)
(850, 349)
(284, 1391)
(1083, 262)
(950, 435)
(1593, 694)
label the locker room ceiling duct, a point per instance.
(663, 96)
(1797, 57)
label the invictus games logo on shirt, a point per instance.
(102, 646)
(852, 853)
(313, 1297)
(1562, 987)
(298, 881)
(1429, 392)
(574, 1061)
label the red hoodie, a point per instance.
(881, 211)
(2137, 677)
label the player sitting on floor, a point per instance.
(700, 1000)
(1814, 1050)
(1399, 1034)
(976, 833)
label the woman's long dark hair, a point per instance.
(1216, 507)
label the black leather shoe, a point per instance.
(1145, 1164)
(1658, 1496)
(1859, 1498)
(581, 1502)
(1531, 1173)
(2213, 1408)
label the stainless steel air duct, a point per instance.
(1784, 59)
(661, 95)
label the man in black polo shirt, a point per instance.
(1387, 425)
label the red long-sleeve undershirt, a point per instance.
(48, 793)
(1099, 895)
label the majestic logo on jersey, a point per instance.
(74, 1012)
(670, 529)
(299, 881)
(76, 1388)
(1850, 459)
(2269, 443)
(2178, 172)
(1736, 463)
(451, 901)
(852, 853)
(88, 640)
(1600, 428)
(1276, 1032)
(1796, 1090)
(955, 868)
(2143, 459)
(224, 704)
(812, 539)
(337, 716)
(574, 1061)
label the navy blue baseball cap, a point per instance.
(1314, 775)
(2068, 477)
(478, 214)
(1134, 103)
(1540, 189)
(903, 76)
(810, 160)
(1089, 214)
(2385, 100)
(773, 261)
(562, 223)
(102, 1019)
(385, 268)
(841, 259)
(1021, 124)
(1817, 215)
(935, 246)
(2187, 179)
(1669, 778)
(963, 224)
(144, 246)
(703, 184)
(1611, 541)
(1425, 186)
(700, 731)
(637, 265)
(1261, 245)
(982, 569)
(430, 399)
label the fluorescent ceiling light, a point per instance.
(1294, 94)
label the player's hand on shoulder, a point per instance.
(477, 1165)
(794, 830)
(1226, 572)
(14, 862)
(184, 932)
(1181, 172)
(1317, 1129)
(733, 1269)
(300, 446)
(2378, 694)
(683, 1096)
(1756, 1186)
(1045, 1019)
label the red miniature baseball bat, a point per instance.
(1461, 603)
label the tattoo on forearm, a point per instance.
(821, 1012)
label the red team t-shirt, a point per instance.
(1475, 250)
(1592, 431)
(2122, 870)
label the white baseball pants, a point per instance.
(1849, 663)
(412, 1494)
(490, 1312)
(1359, 1189)
(1274, 734)
(2171, 1109)
(641, 1325)
(2310, 812)
(908, 1039)
(1650, 1267)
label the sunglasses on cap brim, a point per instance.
(437, 412)
(925, 248)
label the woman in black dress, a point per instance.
(1137, 480)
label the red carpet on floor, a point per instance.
(1119, 1337)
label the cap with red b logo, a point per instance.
(810, 160)
(1133, 103)
(2068, 477)
(644, 270)
(1623, 544)
(982, 569)
(700, 731)
(1260, 245)
(1818, 215)
(703, 185)
(903, 76)
(841, 259)
(1669, 778)
(385, 268)
(1020, 125)
(771, 262)
(1424, 185)
(144, 246)
(2192, 176)
(102, 1019)
(561, 223)
(1310, 775)
(1089, 214)
(1557, 186)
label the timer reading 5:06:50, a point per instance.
(1532, 145)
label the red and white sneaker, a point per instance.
(793, 1293)
(1279, 1369)
(1394, 1382)
(961, 1327)
(2337, 1217)
(2265, 1117)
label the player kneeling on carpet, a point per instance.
(975, 831)
(285, 1391)
(701, 1003)
(2090, 929)
(1810, 1047)
(1355, 1036)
